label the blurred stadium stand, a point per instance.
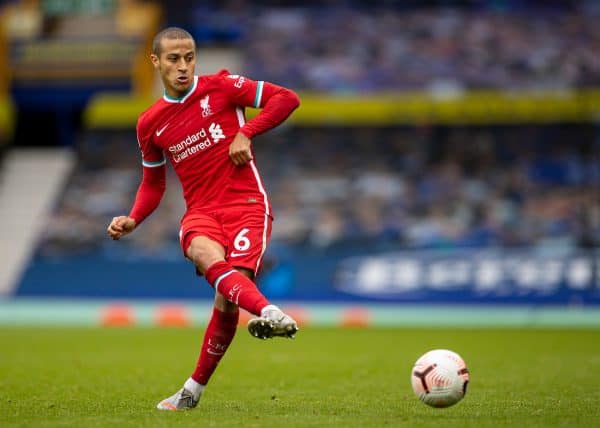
(62, 52)
(444, 151)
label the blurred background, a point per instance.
(446, 155)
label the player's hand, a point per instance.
(120, 226)
(239, 149)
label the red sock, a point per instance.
(236, 287)
(219, 334)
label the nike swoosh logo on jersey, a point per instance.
(233, 254)
(161, 130)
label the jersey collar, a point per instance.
(182, 98)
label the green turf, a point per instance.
(325, 378)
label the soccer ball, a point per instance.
(439, 378)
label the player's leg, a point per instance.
(204, 244)
(219, 334)
(209, 258)
(217, 338)
(236, 285)
(204, 240)
(221, 326)
(247, 239)
(271, 321)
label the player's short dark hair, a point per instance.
(169, 33)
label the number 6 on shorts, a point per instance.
(241, 241)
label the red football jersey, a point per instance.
(194, 132)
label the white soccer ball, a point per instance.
(440, 378)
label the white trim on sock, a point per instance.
(218, 280)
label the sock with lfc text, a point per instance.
(219, 334)
(236, 287)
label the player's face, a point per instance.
(176, 65)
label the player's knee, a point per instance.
(203, 252)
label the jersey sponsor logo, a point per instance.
(161, 130)
(205, 106)
(239, 80)
(216, 132)
(197, 142)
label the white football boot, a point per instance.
(272, 322)
(181, 400)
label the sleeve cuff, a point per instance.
(246, 132)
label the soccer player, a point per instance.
(200, 126)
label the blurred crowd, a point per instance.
(438, 50)
(417, 187)
(372, 46)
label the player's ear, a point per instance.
(155, 60)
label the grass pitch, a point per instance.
(325, 378)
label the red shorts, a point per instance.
(244, 234)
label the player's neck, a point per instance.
(170, 94)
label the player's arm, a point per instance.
(276, 102)
(149, 193)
